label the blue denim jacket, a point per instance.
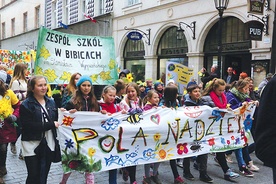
(31, 118)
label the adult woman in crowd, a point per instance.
(70, 89)
(9, 112)
(213, 96)
(19, 86)
(38, 116)
(83, 99)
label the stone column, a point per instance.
(196, 61)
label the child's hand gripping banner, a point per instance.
(95, 142)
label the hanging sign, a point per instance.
(255, 30)
(134, 35)
(255, 6)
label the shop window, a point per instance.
(134, 53)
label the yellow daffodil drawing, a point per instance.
(39, 71)
(65, 76)
(44, 52)
(94, 77)
(105, 75)
(112, 64)
(162, 153)
(91, 153)
(27, 58)
(50, 74)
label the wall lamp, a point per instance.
(144, 34)
(179, 32)
(264, 20)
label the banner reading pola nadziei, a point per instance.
(94, 142)
(59, 55)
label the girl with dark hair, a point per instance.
(38, 116)
(213, 96)
(120, 90)
(83, 99)
(170, 100)
(9, 112)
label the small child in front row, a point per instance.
(107, 106)
(152, 101)
(170, 100)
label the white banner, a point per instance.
(94, 142)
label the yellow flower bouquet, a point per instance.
(5, 110)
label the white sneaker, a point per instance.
(252, 167)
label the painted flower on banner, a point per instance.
(66, 76)
(69, 143)
(148, 154)
(211, 141)
(105, 75)
(182, 148)
(39, 71)
(112, 64)
(94, 77)
(156, 137)
(91, 152)
(44, 52)
(110, 123)
(162, 153)
(67, 120)
(50, 74)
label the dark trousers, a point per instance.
(201, 161)
(222, 161)
(38, 169)
(174, 168)
(132, 173)
(113, 176)
(274, 175)
(3, 154)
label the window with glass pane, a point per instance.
(132, 2)
(3, 30)
(25, 22)
(37, 17)
(13, 27)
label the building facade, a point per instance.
(198, 48)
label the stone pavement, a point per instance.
(17, 173)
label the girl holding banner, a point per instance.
(170, 100)
(132, 104)
(213, 96)
(83, 99)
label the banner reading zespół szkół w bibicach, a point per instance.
(59, 55)
(95, 142)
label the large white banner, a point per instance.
(95, 142)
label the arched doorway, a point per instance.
(134, 53)
(171, 49)
(235, 47)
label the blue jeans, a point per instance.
(239, 157)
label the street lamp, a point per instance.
(221, 5)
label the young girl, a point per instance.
(70, 89)
(83, 99)
(152, 100)
(170, 100)
(107, 106)
(213, 96)
(19, 86)
(9, 113)
(120, 87)
(131, 103)
(193, 99)
(39, 116)
(236, 97)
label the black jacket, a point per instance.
(31, 118)
(265, 133)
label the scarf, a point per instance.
(241, 96)
(217, 101)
